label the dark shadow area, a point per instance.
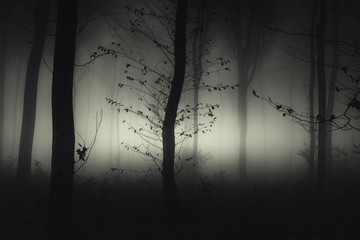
(116, 207)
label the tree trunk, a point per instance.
(247, 57)
(111, 135)
(14, 139)
(62, 161)
(118, 142)
(264, 121)
(291, 140)
(250, 42)
(311, 95)
(242, 111)
(168, 135)
(198, 46)
(196, 121)
(332, 87)
(2, 82)
(320, 34)
(30, 91)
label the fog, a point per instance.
(273, 141)
(112, 95)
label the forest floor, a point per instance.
(118, 209)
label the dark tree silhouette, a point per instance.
(332, 86)
(170, 190)
(30, 92)
(159, 88)
(311, 92)
(326, 96)
(320, 47)
(2, 77)
(62, 160)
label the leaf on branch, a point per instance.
(254, 93)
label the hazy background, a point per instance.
(273, 143)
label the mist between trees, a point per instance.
(184, 99)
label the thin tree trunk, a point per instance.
(2, 81)
(168, 135)
(250, 43)
(248, 53)
(62, 161)
(198, 52)
(264, 121)
(30, 91)
(332, 87)
(311, 95)
(242, 111)
(291, 142)
(320, 33)
(111, 135)
(15, 112)
(196, 124)
(118, 140)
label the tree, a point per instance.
(170, 190)
(311, 93)
(250, 40)
(30, 92)
(320, 65)
(158, 86)
(332, 85)
(198, 48)
(63, 148)
(325, 122)
(2, 78)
